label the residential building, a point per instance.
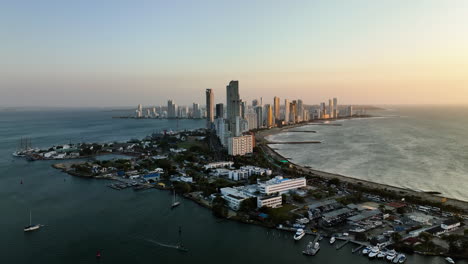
(239, 146)
(219, 111)
(269, 116)
(286, 111)
(232, 104)
(209, 108)
(276, 109)
(220, 164)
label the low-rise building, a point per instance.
(253, 170)
(233, 197)
(221, 164)
(237, 175)
(273, 201)
(281, 185)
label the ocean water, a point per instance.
(421, 148)
(82, 216)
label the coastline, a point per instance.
(263, 143)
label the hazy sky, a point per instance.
(111, 53)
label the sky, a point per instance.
(122, 53)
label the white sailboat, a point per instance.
(175, 203)
(31, 227)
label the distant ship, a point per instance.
(31, 227)
(175, 203)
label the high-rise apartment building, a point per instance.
(209, 108)
(286, 110)
(300, 111)
(269, 115)
(276, 108)
(232, 103)
(171, 109)
(259, 112)
(219, 111)
(239, 146)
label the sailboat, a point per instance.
(175, 203)
(31, 227)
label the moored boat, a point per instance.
(299, 234)
(374, 252)
(31, 227)
(450, 260)
(366, 250)
(391, 255)
(332, 240)
(311, 249)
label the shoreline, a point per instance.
(263, 143)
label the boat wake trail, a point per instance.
(162, 244)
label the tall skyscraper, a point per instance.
(293, 112)
(269, 115)
(330, 108)
(286, 110)
(209, 108)
(219, 111)
(300, 110)
(259, 112)
(335, 107)
(232, 104)
(243, 109)
(276, 108)
(171, 109)
(252, 120)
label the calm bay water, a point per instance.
(422, 148)
(82, 216)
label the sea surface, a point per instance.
(82, 216)
(420, 148)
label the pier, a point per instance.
(338, 247)
(357, 249)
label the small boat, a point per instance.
(300, 233)
(450, 260)
(311, 249)
(402, 258)
(181, 247)
(374, 252)
(332, 240)
(175, 203)
(397, 258)
(366, 250)
(31, 227)
(391, 255)
(382, 254)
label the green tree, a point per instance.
(248, 205)
(219, 207)
(396, 237)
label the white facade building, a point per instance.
(221, 164)
(234, 197)
(239, 146)
(274, 201)
(281, 185)
(237, 175)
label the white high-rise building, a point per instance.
(286, 110)
(220, 127)
(252, 120)
(171, 109)
(239, 146)
(335, 108)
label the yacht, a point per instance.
(382, 254)
(31, 227)
(332, 240)
(366, 250)
(299, 234)
(402, 258)
(311, 249)
(450, 260)
(391, 255)
(374, 252)
(398, 257)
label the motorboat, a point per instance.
(398, 257)
(450, 260)
(391, 255)
(402, 258)
(366, 250)
(300, 233)
(332, 240)
(374, 252)
(382, 254)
